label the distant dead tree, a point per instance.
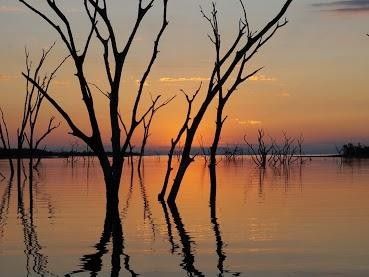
(286, 152)
(175, 141)
(114, 59)
(32, 104)
(260, 153)
(203, 150)
(155, 107)
(231, 64)
(5, 142)
(300, 151)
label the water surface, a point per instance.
(312, 220)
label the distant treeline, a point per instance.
(354, 151)
(25, 153)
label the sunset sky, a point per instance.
(315, 79)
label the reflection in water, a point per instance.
(146, 203)
(216, 226)
(36, 261)
(4, 207)
(129, 195)
(323, 223)
(188, 263)
(113, 229)
(173, 245)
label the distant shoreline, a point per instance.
(25, 154)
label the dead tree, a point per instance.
(5, 142)
(286, 152)
(203, 150)
(260, 154)
(300, 151)
(114, 59)
(33, 103)
(233, 62)
(147, 124)
(175, 141)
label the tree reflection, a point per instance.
(216, 226)
(4, 207)
(113, 231)
(36, 261)
(188, 263)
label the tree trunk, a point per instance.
(185, 162)
(167, 175)
(213, 184)
(218, 131)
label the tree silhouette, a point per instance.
(114, 60)
(33, 102)
(5, 142)
(246, 44)
(175, 141)
(147, 124)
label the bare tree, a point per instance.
(203, 150)
(32, 106)
(242, 50)
(114, 60)
(175, 141)
(5, 142)
(286, 152)
(260, 154)
(147, 124)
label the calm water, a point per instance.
(311, 221)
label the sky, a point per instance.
(314, 80)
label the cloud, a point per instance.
(262, 78)
(146, 84)
(344, 7)
(183, 79)
(5, 77)
(285, 94)
(248, 122)
(61, 83)
(10, 9)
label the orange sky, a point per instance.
(314, 82)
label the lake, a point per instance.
(310, 220)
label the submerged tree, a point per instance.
(33, 102)
(233, 62)
(5, 142)
(114, 60)
(147, 124)
(260, 153)
(175, 141)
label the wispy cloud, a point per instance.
(248, 122)
(5, 77)
(10, 9)
(262, 78)
(344, 7)
(284, 94)
(183, 79)
(199, 79)
(61, 83)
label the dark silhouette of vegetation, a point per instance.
(5, 143)
(284, 154)
(155, 107)
(33, 102)
(350, 151)
(246, 44)
(260, 153)
(175, 142)
(114, 60)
